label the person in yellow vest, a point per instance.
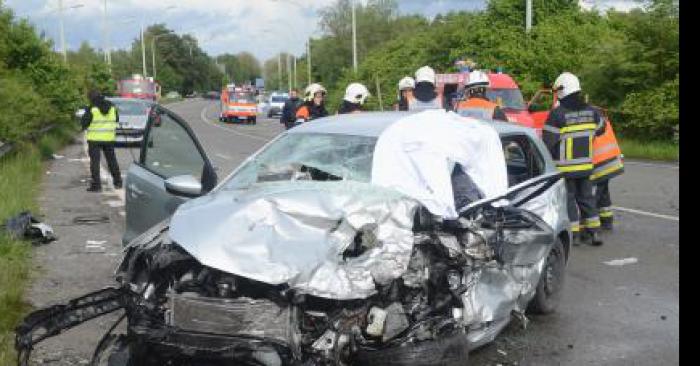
(607, 163)
(100, 120)
(477, 105)
(568, 133)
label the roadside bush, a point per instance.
(22, 109)
(653, 113)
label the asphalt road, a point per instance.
(612, 315)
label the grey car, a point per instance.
(133, 117)
(297, 257)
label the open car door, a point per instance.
(172, 168)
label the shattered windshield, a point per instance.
(310, 157)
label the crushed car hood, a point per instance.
(297, 233)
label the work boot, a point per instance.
(606, 223)
(94, 188)
(595, 239)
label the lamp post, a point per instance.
(354, 39)
(153, 51)
(63, 37)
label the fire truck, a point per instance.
(139, 87)
(503, 91)
(238, 105)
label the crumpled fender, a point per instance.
(51, 321)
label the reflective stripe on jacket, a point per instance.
(103, 127)
(569, 136)
(607, 156)
(477, 108)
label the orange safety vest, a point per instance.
(303, 112)
(607, 156)
(480, 107)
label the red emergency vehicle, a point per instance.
(139, 87)
(238, 105)
(503, 90)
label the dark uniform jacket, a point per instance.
(568, 134)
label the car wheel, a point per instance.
(446, 351)
(551, 283)
(253, 120)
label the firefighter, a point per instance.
(101, 119)
(424, 94)
(314, 104)
(476, 103)
(569, 133)
(406, 86)
(607, 163)
(289, 109)
(355, 96)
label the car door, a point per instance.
(170, 151)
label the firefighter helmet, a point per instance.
(566, 84)
(311, 91)
(356, 93)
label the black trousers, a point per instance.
(603, 201)
(581, 204)
(94, 148)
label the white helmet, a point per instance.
(407, 83)
(356, 93)
(566, 84)
(478, 78)
(312, 89)
(425, 73)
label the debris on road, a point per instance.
(621, 262)
(91, 219)
(26, 226)
(95, 246)
(57, 157)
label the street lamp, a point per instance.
(153, 51)
(63, 37)
(354, 39)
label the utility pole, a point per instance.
(289, 73)
(528, 15)
(143, 51)
(63, 37)
(279, 71)
(107, 42)
(308, 58)
(354, 38)
(295, 72)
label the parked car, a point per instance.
(173, 95)
(214, 95)
(276, 103)
(339, 242)
(133, 116)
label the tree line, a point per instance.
(628, 62)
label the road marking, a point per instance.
(204, 118)
(223, 156)
(669, 166)
(645, 213)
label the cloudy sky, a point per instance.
(263, 27)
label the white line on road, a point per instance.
(654, 165)
(225, 157)
(645, 213)
(204, 118)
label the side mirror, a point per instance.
(184, 186)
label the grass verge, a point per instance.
(21, 173)
(650, 150)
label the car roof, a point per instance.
(118, 99)
(502, 81)
(372, 124)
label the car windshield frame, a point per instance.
(278, 99)
(132, 106)
(241, 97)
(302, 159)
(512, 97)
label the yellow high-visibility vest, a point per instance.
(103, 126)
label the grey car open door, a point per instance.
(172, 168)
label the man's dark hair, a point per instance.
(95, 97)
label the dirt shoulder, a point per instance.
(84, 257)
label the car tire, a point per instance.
(253, 121)
(447, 351)
(551, 284)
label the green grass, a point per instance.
(649, 150)
(21, 173)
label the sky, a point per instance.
(262, 27)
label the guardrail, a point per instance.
(6, 148)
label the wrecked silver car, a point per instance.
(346, 241)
